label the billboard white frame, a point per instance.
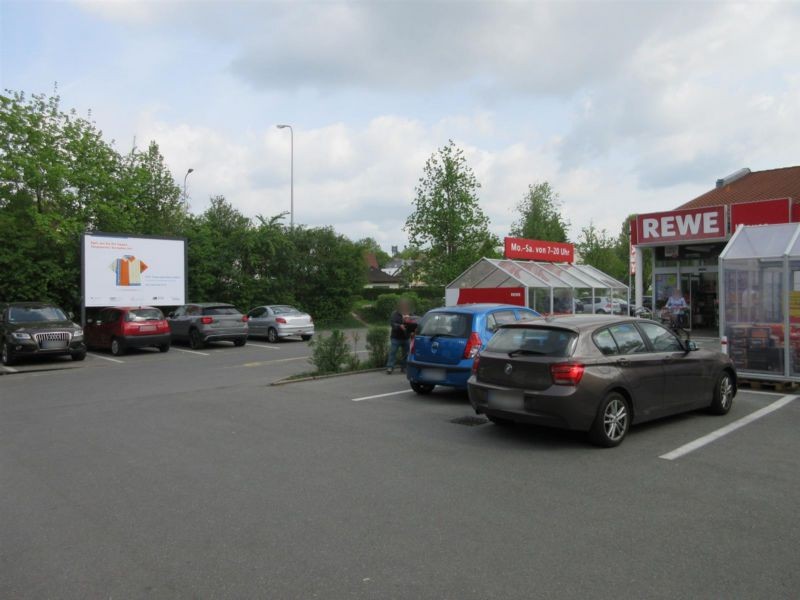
(138, 258)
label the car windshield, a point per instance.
(144, 314)
(446, 324)
(30, 314)
(285, 310)
(540, 341)
(220, 310)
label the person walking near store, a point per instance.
(677, 307)
(399, 336)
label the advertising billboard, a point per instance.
(118, 270)
(685, 225)
(524, 249)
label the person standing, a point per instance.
(399, 336)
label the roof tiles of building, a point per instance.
(757, 185)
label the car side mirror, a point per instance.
(71, 315)
(171, 315)
(691, 346)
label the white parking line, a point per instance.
(9, 369)
(715, 435)
(108, 358)
(251, 345)
(190, 351)
(382, 395)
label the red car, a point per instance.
(118, 329)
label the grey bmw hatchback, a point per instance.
(596, 373)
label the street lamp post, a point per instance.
(291, 205)
(184, 183)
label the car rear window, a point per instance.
(446, 324)
(220, 310)
(144, 314)
(284, 310)
(29, 314)
(539, 341)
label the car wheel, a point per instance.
(500, 421)
(612, 422)
(8, 356)
(305, 338)
(163, 348)
(196, 340)
(79, 356)
(272, 335)
(422, 388)
(117, 347)
(240, 342)
(723, 395)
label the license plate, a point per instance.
(502, 400)
(433, 374)
(53, 344)
(147, 328)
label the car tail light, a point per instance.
(245, 318)
(411, 346)
(474, 344)
(475, 364)
(129, 328)
(206, 320)
(281, 320)
(567, 373)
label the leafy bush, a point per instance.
(378, 345)
(329, 353)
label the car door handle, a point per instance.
(623, 362)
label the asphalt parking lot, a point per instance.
(188, 475)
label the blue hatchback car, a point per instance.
(448, 339)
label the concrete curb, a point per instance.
(286, 380)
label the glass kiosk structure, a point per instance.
(759, 277)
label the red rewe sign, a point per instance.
(539, 250)
(764, 212)
(681, 226)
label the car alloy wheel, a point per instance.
(195, 339)
(117, 348)
(8, 358)
(615, 420)
(724, 392)
(612, 422)
(272, 335)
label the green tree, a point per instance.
(540, 215)
(600, 249)
(447, 222)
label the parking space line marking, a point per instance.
(382, 395)
(249, 345)
(108, 358)
(9, 369)
(191, 351)
(758, 392)
(730, 427)
(271, 362)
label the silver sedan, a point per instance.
(279, 321)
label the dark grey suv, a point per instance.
(205, 322)
(597, 373)
(29, 329)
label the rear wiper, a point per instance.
(525, 351)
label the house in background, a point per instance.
(377, 278)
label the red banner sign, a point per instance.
(764, 212)
(539, 250)
(504, 295)
(692, 224)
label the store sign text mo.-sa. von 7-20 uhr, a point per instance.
(526, 249)
(681, 225)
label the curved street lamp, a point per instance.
(184, 183)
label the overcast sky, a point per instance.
(623, 107)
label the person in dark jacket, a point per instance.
(399, 336)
